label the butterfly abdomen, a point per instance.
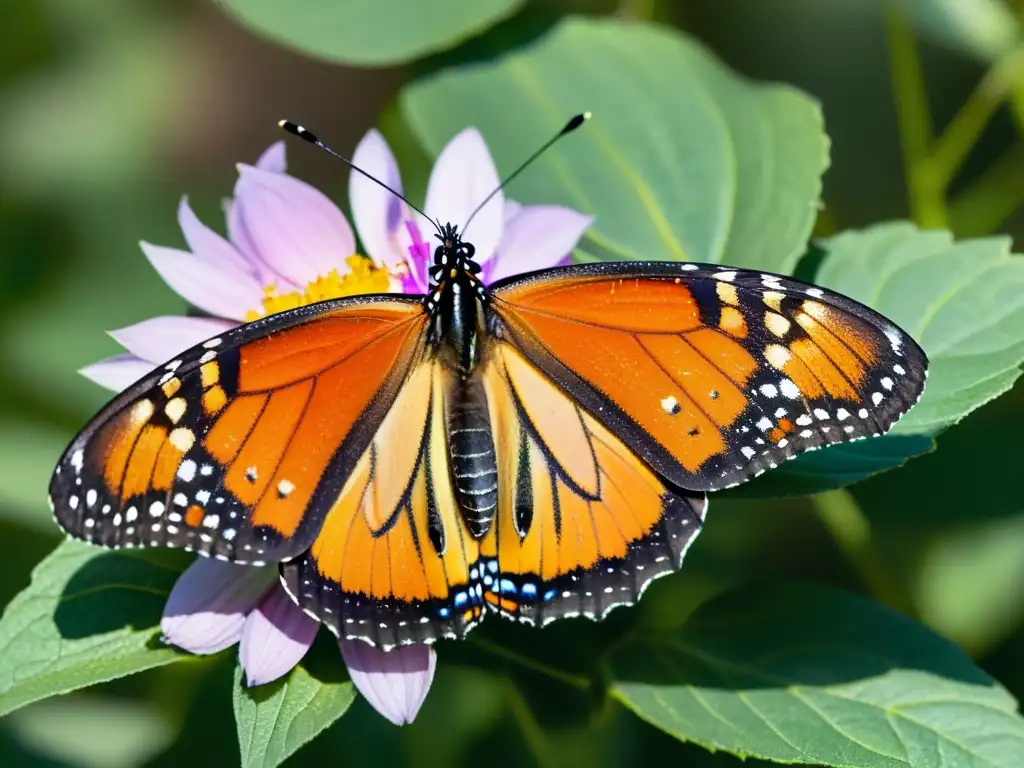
(473, 462)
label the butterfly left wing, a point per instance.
(712, 374)
(583, 525)
(237, 447)
(393, 562)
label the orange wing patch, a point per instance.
(699, 368)
(239, 447)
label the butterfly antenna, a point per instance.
(297, 130)
(569, 127)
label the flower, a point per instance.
(288, 245)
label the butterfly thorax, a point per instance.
(456, 302)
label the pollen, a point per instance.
(363, 277)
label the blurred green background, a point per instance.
(111, 109)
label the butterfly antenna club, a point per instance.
(308, 136)
(575, 122)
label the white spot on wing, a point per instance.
(789, 389)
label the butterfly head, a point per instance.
(453, 257)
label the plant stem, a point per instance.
(927, 207)
(991, 198)
(964, 130)
(533, 734)
(576, 681)
(843, 518)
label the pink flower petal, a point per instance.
(207, 608)
(539, 236)
(377, 213)
(293, 228)
(207, 244)
(161, 338)
(463, 176)
(512, 209)
(417, 280)
(395, 682)
(276, 637)
(273, 158)
(220, 289)
(117, 373)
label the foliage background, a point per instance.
(110, 109)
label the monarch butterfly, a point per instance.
(538, 448)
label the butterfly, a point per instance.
(537, 448)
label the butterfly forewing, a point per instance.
(239, 446)
(712, 374)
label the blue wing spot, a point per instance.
(460, 599)
(529, 590)
(506, 587)
(492, 566)
(443, 613)
(550, 594)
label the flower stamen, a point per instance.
(363, 277)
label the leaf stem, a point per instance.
(576, 681)
(840, 514)
(927, 207)
(959, 137)
(990, 199)
(533, 734)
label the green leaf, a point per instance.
(804, 674)
(370, 33)
(88, 616)
(963, 302)
(683, 160)
(276, 719)
(835, 467)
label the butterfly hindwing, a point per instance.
(237, 447)
(711, 374)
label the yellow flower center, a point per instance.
(363, 277)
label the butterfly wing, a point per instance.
(238, 447)
(711, 374)
(583, 525)
(394, 562)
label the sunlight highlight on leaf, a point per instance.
(682, 159)
(802, 674)
(88, 616)
(276, 719)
